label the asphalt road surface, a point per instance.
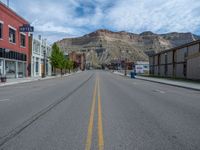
(98, 110)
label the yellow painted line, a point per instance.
(100, 126)
(91, 122)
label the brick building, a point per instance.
(79, 59)
(179, 62)
(14, 49)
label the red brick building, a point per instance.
(14, 50)
(79, 59)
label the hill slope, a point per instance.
(102, 46)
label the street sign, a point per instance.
(26, 28)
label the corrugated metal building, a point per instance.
(179, 62)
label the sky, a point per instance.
(58, 19)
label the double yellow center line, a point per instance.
(96, 94)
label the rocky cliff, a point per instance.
(102, 46)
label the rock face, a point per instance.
(102, 46)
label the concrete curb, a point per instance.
(38, 79)
(181, 86)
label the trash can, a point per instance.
(3, 78)
(132, 74)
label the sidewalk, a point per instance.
(183, 84)
(31, 79)
(177, 83)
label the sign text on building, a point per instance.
(26, 28)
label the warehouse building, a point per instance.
(179, 62)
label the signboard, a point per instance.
(26, 28)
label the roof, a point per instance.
(178, 47)
(13, 12)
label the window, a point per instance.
(1, 30)
(23, 40)
(37, 65)
(12, 35)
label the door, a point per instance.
(1, 67)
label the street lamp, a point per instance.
(44, 66)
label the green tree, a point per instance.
(55, 57)
(61, 62)
(70, 65)
(66, 64)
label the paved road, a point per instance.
(98, 110)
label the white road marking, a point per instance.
(2, 100)
(160, 91)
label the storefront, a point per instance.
(1, 66)
(14, 44)
(12, 64)
(39, 46)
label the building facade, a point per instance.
(40, 53)
(14, 48)
(79, 59)
(179, 62)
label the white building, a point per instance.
(142, 67)
(39, 49)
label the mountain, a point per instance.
(102, 46)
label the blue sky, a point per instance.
(56, 19)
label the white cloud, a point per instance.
(167, 16)
(60, 17)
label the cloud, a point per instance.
(157, 16)
(57, 19)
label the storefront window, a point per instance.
(10, 69)
(1, 67)
(21, 72)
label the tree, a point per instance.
(58, 60)
(70, 65)
(61, 62)
(55, 57)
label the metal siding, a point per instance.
(193, 68)
(193, 49)
(180, 54)
(162, 59)
(162, 70)
(156, 60)
(169, 57)
(179, 71)
(170, 71)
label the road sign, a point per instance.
(26, 28)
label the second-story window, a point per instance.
(23, 40)
(12, 35)
(1, 30)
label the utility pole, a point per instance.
(125, 65)
(44, 71)
(8, 3)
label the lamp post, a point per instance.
(44, 66)
(125, 63)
